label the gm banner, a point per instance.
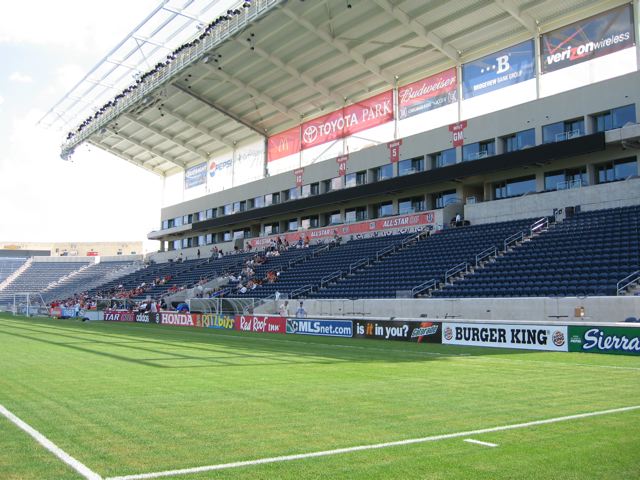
(321, 328)
(195, 176)
(421, 332)
(261, 324)
(588, 39)
(617, 340)
(219, 322)
(119, 316)
(428, 94)
(498, 70)
(526, 337)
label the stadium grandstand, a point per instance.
(426, 150)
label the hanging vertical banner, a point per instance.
(457, 129)
(196, 175)
(284, 144)
(249, 163)
(394, 150)
(298, 173)
(498, 70)
(428, 94)
(220, 173)
(588, 39)
(342, 165)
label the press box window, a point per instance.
(444, 158)
(560, 131)
(358, 214)
(442, 199)
(383, 173)
(384, 209)
(410, 205)
(617, 170)
(413, 165)
(520, 140)
(514, 187)
(614, 118)
(478, 150)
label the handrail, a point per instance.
(429, 284)
(300, 291)
(539, 224)
(492, 250)
(411, 238)
(455, 270)
(317, 251)
(632, 278)
(358, 263)
(512, 239)
(384, 251)
(332, 276)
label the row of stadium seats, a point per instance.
(9, 265)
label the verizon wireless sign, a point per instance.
(526, 337)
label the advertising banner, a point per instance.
(498, 70)
(404, 223)
(55, 312)
(394, 150)
(219, 322)
(119, 316)
(342, 123)
(261, 323)
(428, 94)
(147, 317)
(298, 174)
(321, 328)
(196, 175)
(216, 167)
(526, 337)
(588, 39)
(421, 332)
(180, 319)
(284, 144)
(457, 131)
(616, 340)
(249, 163)
(342, 165)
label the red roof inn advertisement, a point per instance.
(402, 222)
(342, 123)
(261, 324)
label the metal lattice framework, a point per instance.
(280, 62)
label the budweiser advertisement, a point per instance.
(401, 223)
(261, 324)
(428, 94)
(342, 123)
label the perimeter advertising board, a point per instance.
(219, 322)
(420, 332)
(147, 317)
(320, 328)
(500, 69)
(588, 39)
(180, 319)
(526, 337)
(119, 316)
(616, 340)
(261, 323)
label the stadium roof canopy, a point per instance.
(276, 63)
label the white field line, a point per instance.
(478, 442)
(78, 466)
(338, 451)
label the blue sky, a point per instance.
(46, 47)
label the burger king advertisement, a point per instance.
(523, 337)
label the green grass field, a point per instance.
(130, 398)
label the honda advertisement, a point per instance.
(588, 39)
(616, 340)
(507, 67)
(322, 328)
(526, 337)
(421, 332)
(428, 94)
(180, 319)
(261, 324)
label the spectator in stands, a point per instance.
(301, 312)
(283, 310)
(458, 220)
(306, 241)
(198, 253)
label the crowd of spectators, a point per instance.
(206, 31)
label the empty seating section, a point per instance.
(422, 261)
(9, 265)
(313, 270)
(85, 279)
(583, 255)
(37, 276)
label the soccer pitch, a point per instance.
(130, 399)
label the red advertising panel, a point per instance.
(261, 324)
(180, 319)
(399, 222)
(457, 129)
(428, 94)
(299, 173)
(394, 150)
(342, 165)
(119, 316)
(55, 312)
(283, 144)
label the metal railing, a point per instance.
(485, 253)
(324, 281)
(464, 266)
(560, 137)
(385, 251)
(299, 291)
(627, 281)
(357, 264)
(541, 224)
(425, 286)
(516, 237)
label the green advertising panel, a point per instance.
(616, 340)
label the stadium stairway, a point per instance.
(429, 261)
(587, 254)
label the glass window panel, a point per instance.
(623, 115)
(550, 132)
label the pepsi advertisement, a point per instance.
(500, 69)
